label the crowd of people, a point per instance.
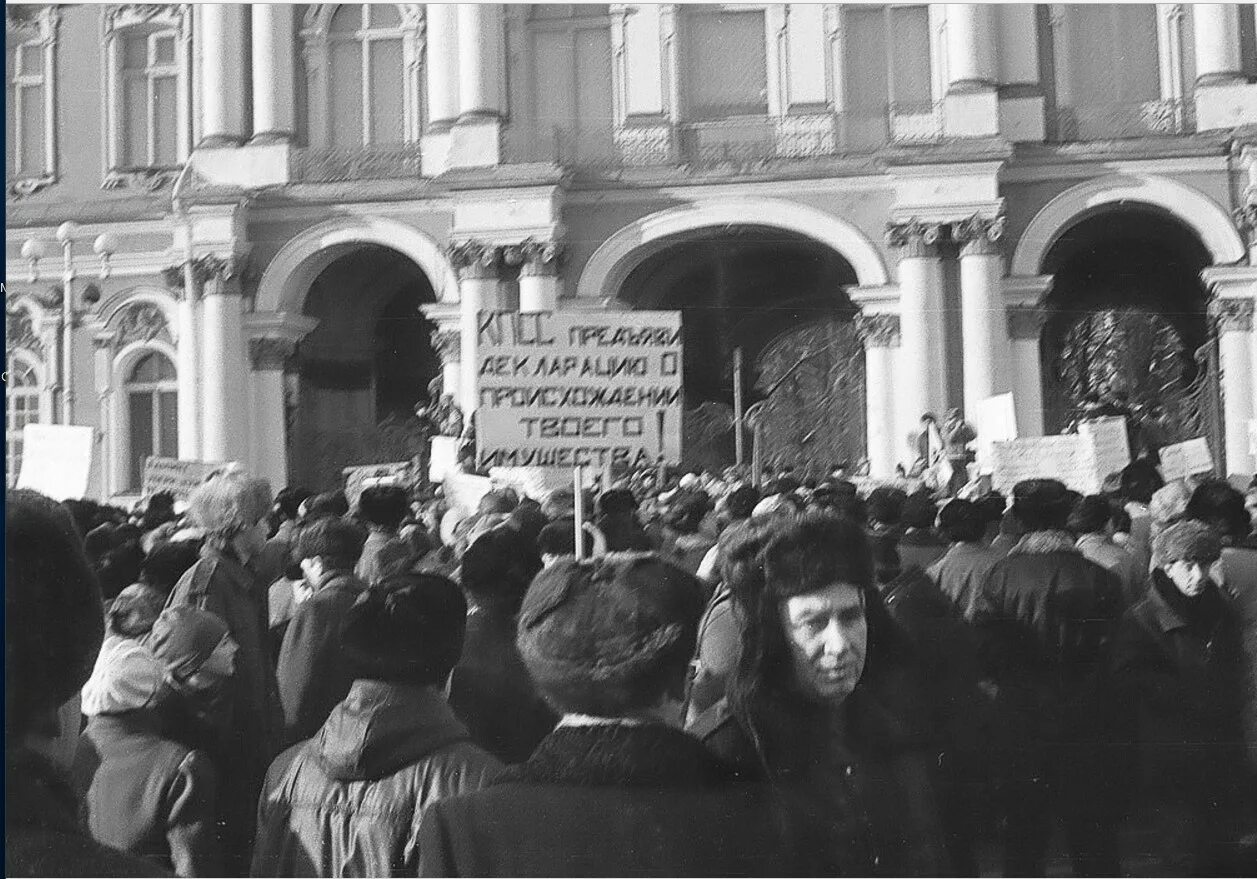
(791, 678)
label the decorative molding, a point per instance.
(122, 15)
(142, 322)
(878, 330)
(919, 239)
(147, 179)
(270, 354)
(206, 268)
(448, 345)
(978, 234)
(19, 330)
(1232, 315)
(26, 186)
(1026, 321)
(476, 259)
(1246, 219)
(535, 257)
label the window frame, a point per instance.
(154, 390)
(685, 109)
(571, 27)
(37, 392)
(39, 30)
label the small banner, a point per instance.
(995, 421)
(1067, 457)
(1110, 444)
(1185, 459)
(179, 478)
(56, 460)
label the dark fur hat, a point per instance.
(407, 628)
(1041, 504)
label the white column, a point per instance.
(539, 278)
(274, 39)
(1238, 361)
(225, 416)
(1025, 326)
(970, 47)
(442, 61)
(880, 333)
(1217, 35)
(921, 384)
(479, 289)
(189, 375)
(269, 429)
(479, 61)
(448, 343)
(223, 69)
(984, 327)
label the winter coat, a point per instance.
(491, 691)
(960, 572)
(349, 801)
(686, 551)
(382, 550)
(1119, 561)
(43, 835)
(716, 655)
(624, 533)
(608, 800)
(148, 796)
(1239, 568)
(921, 548)
(312, 672)
(1045, 618)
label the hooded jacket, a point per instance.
(349, 801)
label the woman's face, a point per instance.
(1189, 575)
(828, 636)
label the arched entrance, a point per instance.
(364, 368)
(780, 297)
(1128, 322)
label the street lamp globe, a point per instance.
(67, 231)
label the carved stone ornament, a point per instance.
(120, 15)
(19, 330)
(1232, 315)
(979, 234)
(28, 185)
(537, 257)
(270, 353)
(878, 330)
(1026, 321)
(448, 345)
(475, 259)
(917, 237)
(1246, 219)
(146, 179)
(204, 268)
(142, 322)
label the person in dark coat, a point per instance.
(615, 790)
(349, 801)
(144, 792)
(382, 508)
(490, 689)
(1045, 618)
(826, 708)
(617, 520)
(311, 671)
(962, 569)
(1177, 663)
(53, 627)
(231, 509)
(920, 545)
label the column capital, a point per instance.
(270, 353)
(917, 238)
(475, 259)
(1232, 315)
(1246, 219)
(1026, 321)
(448, 345)
(535, 257)
(979, 235)
(878, 330)
(205, 268)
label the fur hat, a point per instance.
(1190, 540)
(1041, 504)
(183, 638)
(127, 677)
(53, 620)
(228, 504)
(815, 551)
(604, 636)
(407, 628)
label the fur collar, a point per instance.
(1044, 542)
(647, 755)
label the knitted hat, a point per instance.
(127, 677)
(228, 504)
(604, 636)
(1190, 540)
(407, 628)
(183, 638)
(53, 621)
(134, 611)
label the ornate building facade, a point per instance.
(259, 232)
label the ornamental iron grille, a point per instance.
(1142, 354)
(811, 379)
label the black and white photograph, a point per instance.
(631, 439)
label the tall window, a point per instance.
(21, 407)
(153, 413)
(365, 76)
(723, 63)
(27, 105)
(149, 104)
(570, 61)
(886, 68)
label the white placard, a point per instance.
(1185, 459)
(463, 491)
(1067, 458)
(179, 478)
(443, 457)
(561, 389)
(534, 482)
(1109, 443)
(996, 421)
(56, 460)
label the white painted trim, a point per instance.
(756, 189)
(287, 278)
(1028, 172)
(1209, 220)
(618, 255)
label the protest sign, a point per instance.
(996, 421)
(1067, 457)
(443, 457)
(179, 478)
(565, 389)
(1185, 459)
(401, 473)
(56, 460)
(534, 482)
(463, 491)
(1110, 444)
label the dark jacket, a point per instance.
(1045, 619)
(716, 654)
(492, 693)
(624, 533)
(921, 548)
(382, 550)
(349, 801)
(860, 802)
(147, 795)
(312, 673)
(961, 571)
(608, 800)
(43, 835)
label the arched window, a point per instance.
(366, 70)
(23, 391)
(152, 413)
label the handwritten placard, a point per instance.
(1185, 459)
(1110, 444)
(443, 458)
(996, 422)
(1067, 457)
(463, 491)
(178, 477)
(534, 482)
(56, 460)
